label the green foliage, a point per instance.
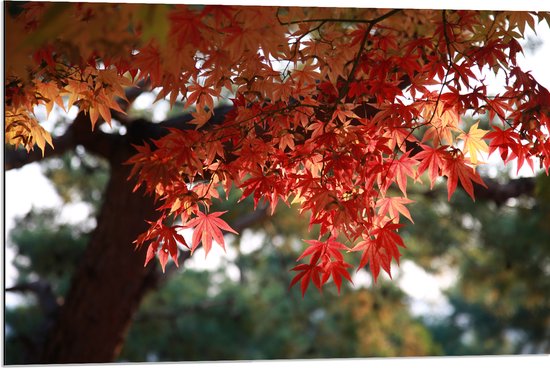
(78, 177)
(501, 300)
(46, 248)
(22, 333)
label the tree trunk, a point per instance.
(110, 282)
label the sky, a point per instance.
(27, 187)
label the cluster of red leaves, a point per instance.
(336, 110)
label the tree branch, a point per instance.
(351, 76)
(501, 192)
(16, 158)
(79, 132)
(337, 20)
(43, 291)
(496, 191)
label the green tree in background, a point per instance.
(501, 300)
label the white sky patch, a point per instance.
(24, 188)
(27, 187)
(161, 107)
(361, 279)
(214, 261)
(251, 241)
(425, 290)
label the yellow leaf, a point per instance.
(21, 128)
(474, 143)
(50, 94)
(40, 136)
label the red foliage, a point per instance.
(334, 110)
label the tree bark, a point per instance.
(110, 281)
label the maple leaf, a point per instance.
(51, 94)
(373, 256)
(185, 26)
(379, 251)
(318, 248)
(336, 269)
(310, 131)
(402, 168)
(306, 273)
(200, 117)
(201, 96)
(503, 140)
(23, 129)
(393, 206)
(456, 169)
(208, 227)
(149, 63)
(165, 237)
(497, 107)
(433, 160)
(474, 143)
(523, 154)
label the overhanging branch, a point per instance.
(79, 132)
(501, 192)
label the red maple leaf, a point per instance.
(380, 250)
(401, 169)
(208, 227)
(167, 238)
(502, 139)
(306, 273)
(393, 206)
(456, 169)
(318, 248)
(336, 269)
(374, 256)
(432, 159)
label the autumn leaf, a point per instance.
(374, 256)
(337, 270)
(474, 143)
(325, 114)
(164, 237)
(23, 129)
(380, 248)
(456, 169)
(433, 160)
(208, 227)
(402, 168)
(307, 272)
(503, 140)
(393, 206)
(50, 93)
(331, 247)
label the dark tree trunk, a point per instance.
(110, 282)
